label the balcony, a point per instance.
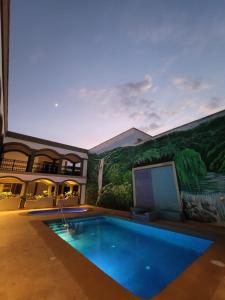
(12, 165)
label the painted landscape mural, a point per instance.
(199, 156)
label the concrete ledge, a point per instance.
(73, 201)
(12, 203)
(42, 203)
(37, 264)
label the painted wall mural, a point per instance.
(199, 156)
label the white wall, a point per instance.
(130, 137)
(32, 176)
(38, 146)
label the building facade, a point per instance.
(34, 172)
(130, 137)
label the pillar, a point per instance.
(23, 194)
(49, 189)
(24, 189)
(30, 162)
(55, 194)
(71, 188)
(60, 166)
(84, 168)
(82, 194)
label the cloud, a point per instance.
(212, 105)
(190, 84)
(132, 100)
(147, 115)
(127, 96)
(151, 126)
(136, 88)
(180, 106)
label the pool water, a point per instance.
(143, 259)
(57, 210)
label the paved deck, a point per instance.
(37, 264)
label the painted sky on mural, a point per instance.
(82, 71)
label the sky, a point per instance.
(82, 71)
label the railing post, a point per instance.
(13, 164)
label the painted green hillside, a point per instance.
(196, 152)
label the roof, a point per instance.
(43, 141)
(120, 135)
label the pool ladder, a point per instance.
(64, 221)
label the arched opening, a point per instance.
(40, 194)
(10, 186)
(45, 164)
(40, 188)
(69, 193)
(15, 161)
(17, 147)
(70, 186)
(48, 152)
(71, 165)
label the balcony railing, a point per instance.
(13, 165)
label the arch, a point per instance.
(14, 146)
(43, 155)
(70, 180)
(43, 179)
(41, 187)
(16, 153)
(72, 157)
(70, 188)
(11, 177)
(11, 185)
(48, 152)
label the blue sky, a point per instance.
(82, 71)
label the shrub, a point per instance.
(116, 196)
(5, 194)
(92, 194)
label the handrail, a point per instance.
(14, 165)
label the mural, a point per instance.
(199, 156)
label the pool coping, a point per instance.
(201, 280)
(108, 284)
(86, 273)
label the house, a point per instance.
(130, 137)
(32, 168)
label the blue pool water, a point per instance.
(143, 259)
(54, 211)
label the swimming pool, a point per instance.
(54, 211)
(143, 259)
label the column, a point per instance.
(71, 188)
(55, 194)
(23, 194)
(73, 168)
(30, 162)
(60, 166)
(84, 168)
(49, 190)
(82, 193)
